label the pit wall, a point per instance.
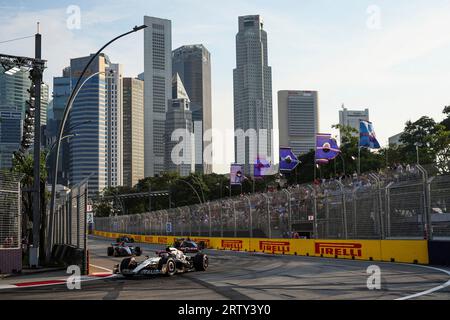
(406, 251)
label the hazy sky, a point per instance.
(392, 57)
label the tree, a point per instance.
(24, 164)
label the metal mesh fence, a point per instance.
(402, 204)
(69, 222)
(10, 210)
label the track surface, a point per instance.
(245, 276)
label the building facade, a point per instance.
(89, 149)
(298, 120)
(179, 131)
(252, 87)
(13, 100)
(62, 87)
(157, 91)
(114, 109)
(133, 131)
(193, 65)
(351, 118)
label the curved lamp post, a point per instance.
(66, 113)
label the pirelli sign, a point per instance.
(162, 240)
(275, 246)
(346, 249)
(232, 244)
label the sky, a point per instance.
(392, 57)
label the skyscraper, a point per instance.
(252, 79)
(193, 65)
(89, 149)
(115, 124)
(62, 86)
(351, 118)
(298, 120)
(13, 97)
(157, 90)
(133, 131)
(179, 120)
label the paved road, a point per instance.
(245, 276)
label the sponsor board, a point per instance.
(137, 238)
(232, 244)
(206, 241)
(148, 239)
(275, 246)
(350, 249)
(162, 240)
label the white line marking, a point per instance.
(442, 286)
(102, 268)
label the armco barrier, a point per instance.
(407, 251)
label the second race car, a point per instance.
(122, 249)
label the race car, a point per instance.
(124, 239)
(188, 246)
(121, 249)
(167, 262)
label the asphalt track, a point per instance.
(248, 276)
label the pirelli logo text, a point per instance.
(338, 249)
(275, 246)
(149, 239)
(162, 240)
(232, 244)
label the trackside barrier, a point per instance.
(406, 251)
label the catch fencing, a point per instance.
(69, 227)
(10, 223)
(402, 204)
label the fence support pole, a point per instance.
(344, 209)
(250, 216)
(388, 210)
(289, 196)
(427, 200)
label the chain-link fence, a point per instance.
(10, 223)
(403, 204)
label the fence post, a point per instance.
(221, 219)
(354, 214)
(268, 214)
(289, 195)
(388, 209)
(250, 216)
(209, 219)
(235, 218)
(344, 208)
(427, 202)
(380, 204)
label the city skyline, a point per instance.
(363, 65)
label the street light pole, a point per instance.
(67, 110)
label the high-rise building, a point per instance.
(252, 86)
(133, 131)
(298, 120)
(193, 65)
(89, 149)
(351, 118)
(395, 140)
(10, 136)
(62, 87)
(115, 124)
(13, 97)
(157, 90)
(179, 120)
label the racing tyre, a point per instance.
(137, 251)
(125, 265)
(110, 251)
(171, 267)
(201, 262)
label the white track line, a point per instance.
(102, 268)
(442, 286)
